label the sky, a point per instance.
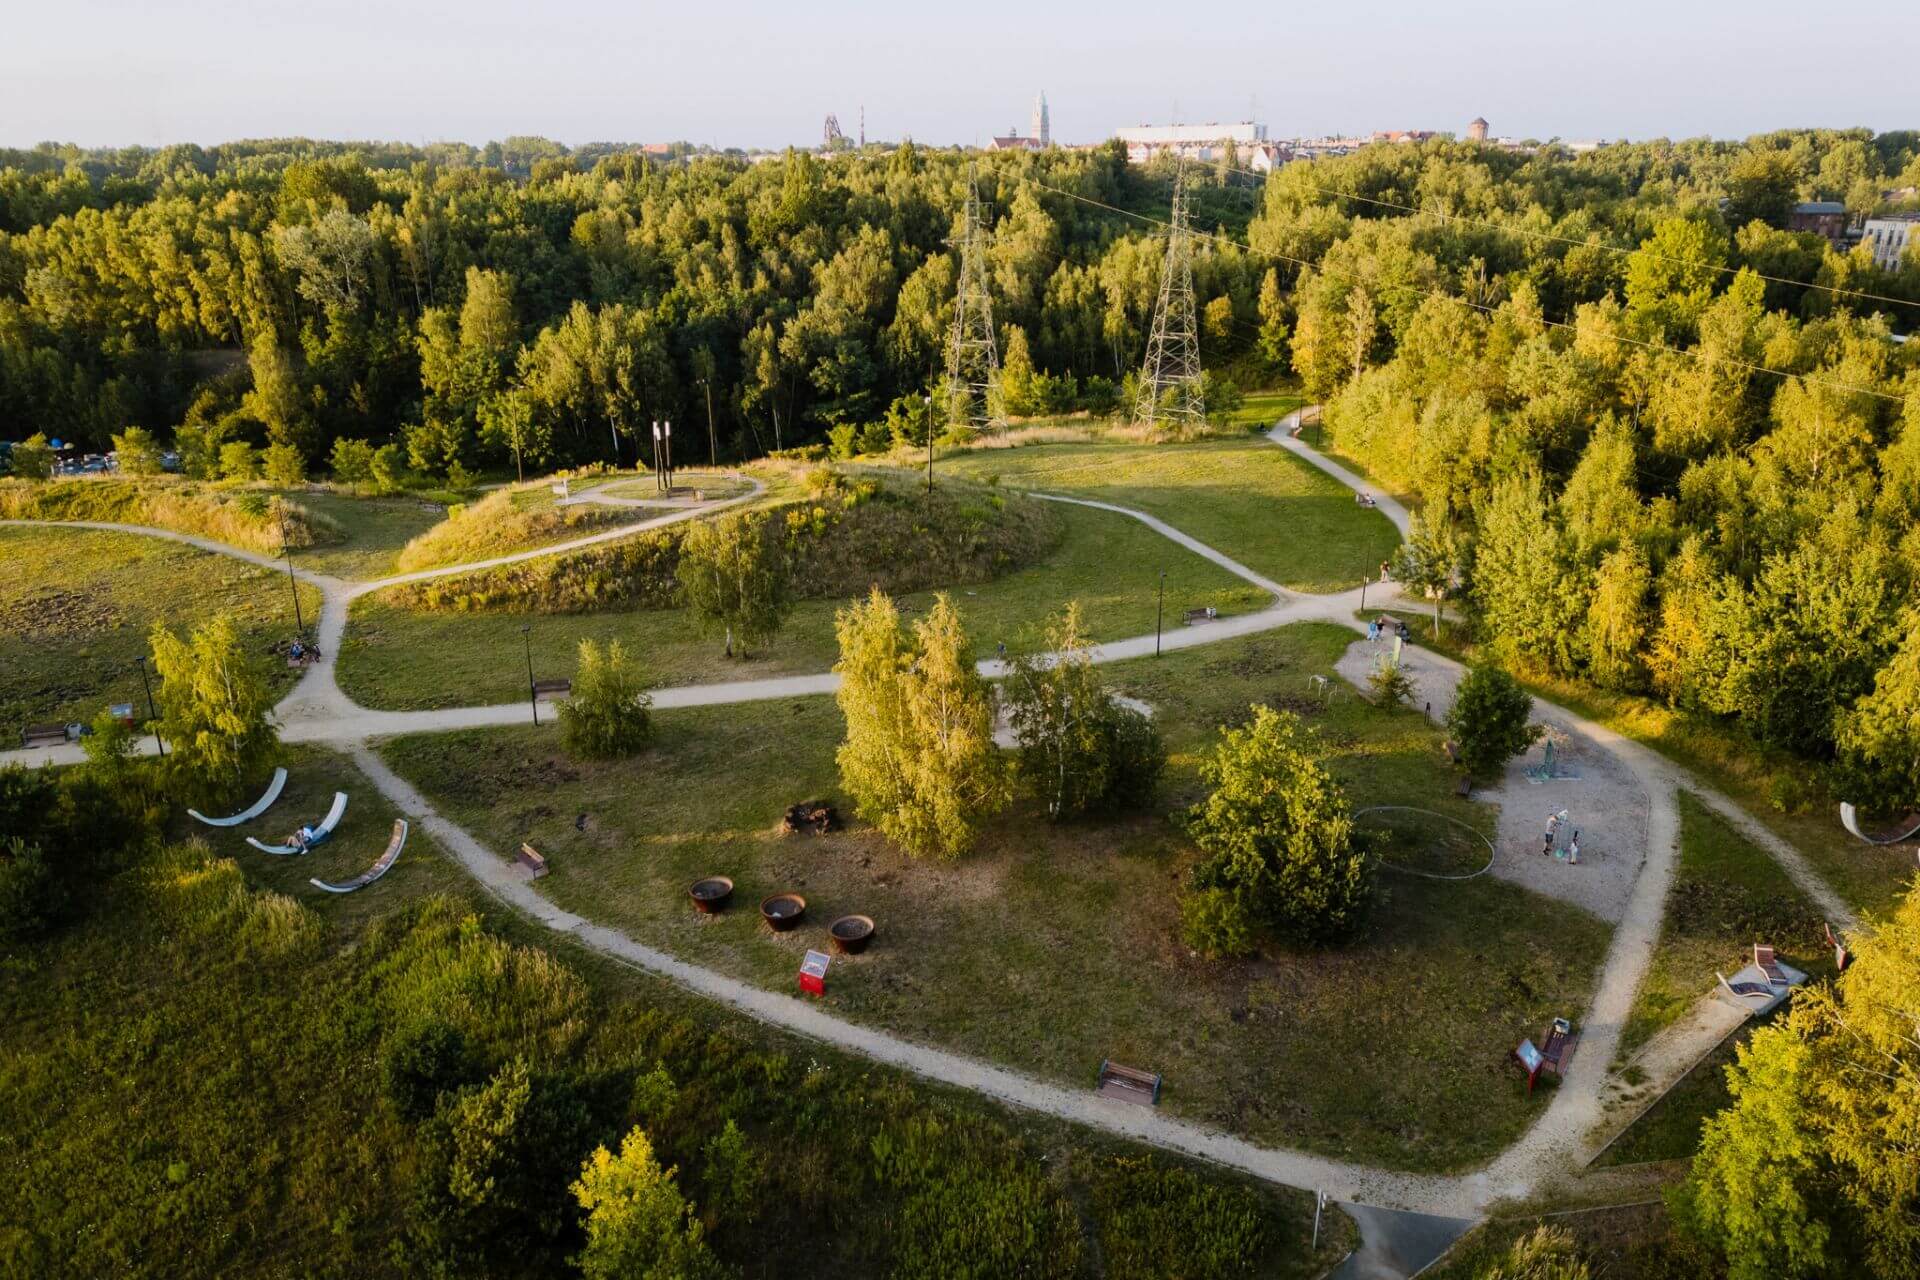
(118, 72)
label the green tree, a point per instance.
(239, 462)
(387, 469)
(1079, 748)
(1879, 736)
(1762, 185)
(352, 461)
(136, 452)
(639, 1226)
(1392, 686)
(1016, 376)
(215, 709)
(1490, 721)
(1276, 835)
(737, 577)
(32, 458)
(283, 465)
(1617, 619)
(607, 714)
(919, 758)
(1672, 276)
(507, 422)
(1274, 331)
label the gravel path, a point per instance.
(1626, 879)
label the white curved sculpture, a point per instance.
(253, 810)
(378, 869)
(320, 832)
(1905, 829)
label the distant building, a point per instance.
(1011, 141)
(1265, 157)
(1401, 135)
(1194, 141)
(1041, 129)
(1477, 129)
(1822, 217)
(1889, 237)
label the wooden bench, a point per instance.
(551, 690)
(530, 858)
(1127, 1084)
(1764, 961)
(1205, 614)
(43, 735)
(1558, 1050)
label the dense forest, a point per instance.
(1660, 441)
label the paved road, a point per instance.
(318, 710)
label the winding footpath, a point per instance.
(317, 710)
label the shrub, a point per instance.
(639, 1226)
(32, 458)
(1392, 686)
(1277, 834)
(1215, 923)
(239, 462)
(387, 468)
(423, 1062)
(30, 894)
(136, 452)
(1488, 721)
(606, 716)
(352, 461)
(1549, 1253)
(283, 465)
(840, 440)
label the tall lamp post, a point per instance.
(153, 716)
(713, 441)
(1159, 613)
(928, 401)
(293, 585)
(533, 696)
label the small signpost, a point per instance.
(1530, 1061)
(813, 973)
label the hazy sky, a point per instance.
(732, 74)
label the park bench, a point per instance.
(530, 858)
(551, 690)
(1552, 1055)
(1840, 953)
(43, 735)
(1127, 1084)
(1764, 961)
(1203, 614)
(380, 867)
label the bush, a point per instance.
(30, 894)
(283, 465)
(32, 458)
(1392, 686)
(423, 1062)
(239, 462)
(1159, 1220)
(387, 468)
(136, 452)
(1489, 721)
(607, 715)
(639, 1226)
(1214, 923)
(1277, 833)
(352, 461)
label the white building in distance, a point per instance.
(1889, 237)
(1194, 141)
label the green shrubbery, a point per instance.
(606, 716)
(1160, 1220)
(243, 518)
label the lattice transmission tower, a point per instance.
(973, 358)
(1170, 387)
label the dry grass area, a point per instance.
(242, 517)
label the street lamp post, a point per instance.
(713, 441)
(929, 403)
(153, 716)
(658, 476)
(533, 696)
(666, 434)
(1159, 613)
(293, 585)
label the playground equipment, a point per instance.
(253, 810)
(380, 867)
(316, 835)
(1905, 829)
(1550, 769)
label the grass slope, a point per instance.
(1261, 505)
(193, 1087)
(517, 518)
(372, 531)
(76, 606)
(406, 659)
(247, 518)
(1052, 948)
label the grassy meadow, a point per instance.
(1053, 947)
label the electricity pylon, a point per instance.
(973, 359)
(1170, 388)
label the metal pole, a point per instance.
(533, 697)
(1363, 595)
(929, 403)
(713, 441)
(299, 623)
(1319, 1202)
(153, 716)
(1159, 613)
(666, 433)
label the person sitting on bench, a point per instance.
(302, 838)
(298, 651)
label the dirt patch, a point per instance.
(53, 614)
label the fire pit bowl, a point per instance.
(783, 911)
(711, 894)
(851, 934)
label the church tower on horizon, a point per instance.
(1039, 129)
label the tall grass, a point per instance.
(506, 520)
(245, 518)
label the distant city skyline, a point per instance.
(120, 72)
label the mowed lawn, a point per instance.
(77, 606)
(1052, 947)
(406, 659)
(1269, 510)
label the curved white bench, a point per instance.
(320, 832)
(375, 871)
(1850, 819)
(253, 810)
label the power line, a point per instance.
(1170, 386)
(1582, 244)
(1477, 306)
